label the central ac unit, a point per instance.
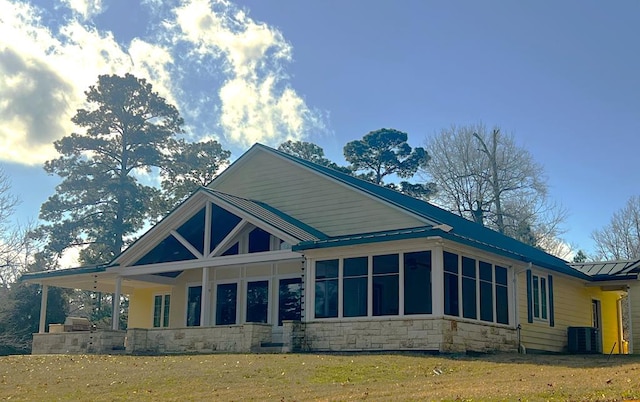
(584, 340)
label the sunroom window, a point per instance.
(370, 285)
(327, 289)
(257, 301)
(226, 303)
(355, 284)
(386, 270)
(417, 283)
(482, 288)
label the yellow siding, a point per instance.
(634, 295)
(141, 306)
(572, 308)
(325, 205)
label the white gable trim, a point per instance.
(168, 226)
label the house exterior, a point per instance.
(281, 254)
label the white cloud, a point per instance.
(85, 8)
(257, 104)
(44, 72)
(43, 77)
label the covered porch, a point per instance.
(238, 303)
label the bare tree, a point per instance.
(12, 238)
(620, 239)
(486, 177)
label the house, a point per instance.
(279, 253)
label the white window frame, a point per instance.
(186, 300)
(244, 305)
(214, 295)
(310, 276)
(163, 296)
(540, 309)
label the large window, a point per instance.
(370, 285)
(502, 296)
(451, 301)
(257, 301)
(326, 289)
(226, 303)
(482, 288)
(194, 297)
(355, 284)
(289, 293)
(385, 284)
(417, 283)
(469, 302)
(161, 307)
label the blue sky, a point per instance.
(562, 77)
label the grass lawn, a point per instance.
(288, 377)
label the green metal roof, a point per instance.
(463, 231)
(62, 272)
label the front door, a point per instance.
(596, 317)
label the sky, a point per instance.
(562, 77)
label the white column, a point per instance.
(437, 281)
(205, 299)
(115, 310)
(43, 309)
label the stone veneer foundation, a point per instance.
(428, 334)
(439, 335)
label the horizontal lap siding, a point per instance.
(572, 303)
(315, 200)
(141, 307)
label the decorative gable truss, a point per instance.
(213, 228)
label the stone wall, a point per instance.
(103, 342)
(442, 335)
(233, 338)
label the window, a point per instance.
(469, 309)
(257, 301)
(483, 289)
(355, 284)
(161, 306)
(486, 291)
(451, 284)
(259, 240)
(193, 230)
(540, 300)
(326, 301)
(370, 285)
(385, 284)
(502, 296)
(226, 303)
(289, 292)
(168, 250)
(222, 223)
(417, 283)
(194, 297)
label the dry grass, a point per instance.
(319, 377)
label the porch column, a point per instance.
(115, 310)
(43, 309)
(437, 281)
(204, 300)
